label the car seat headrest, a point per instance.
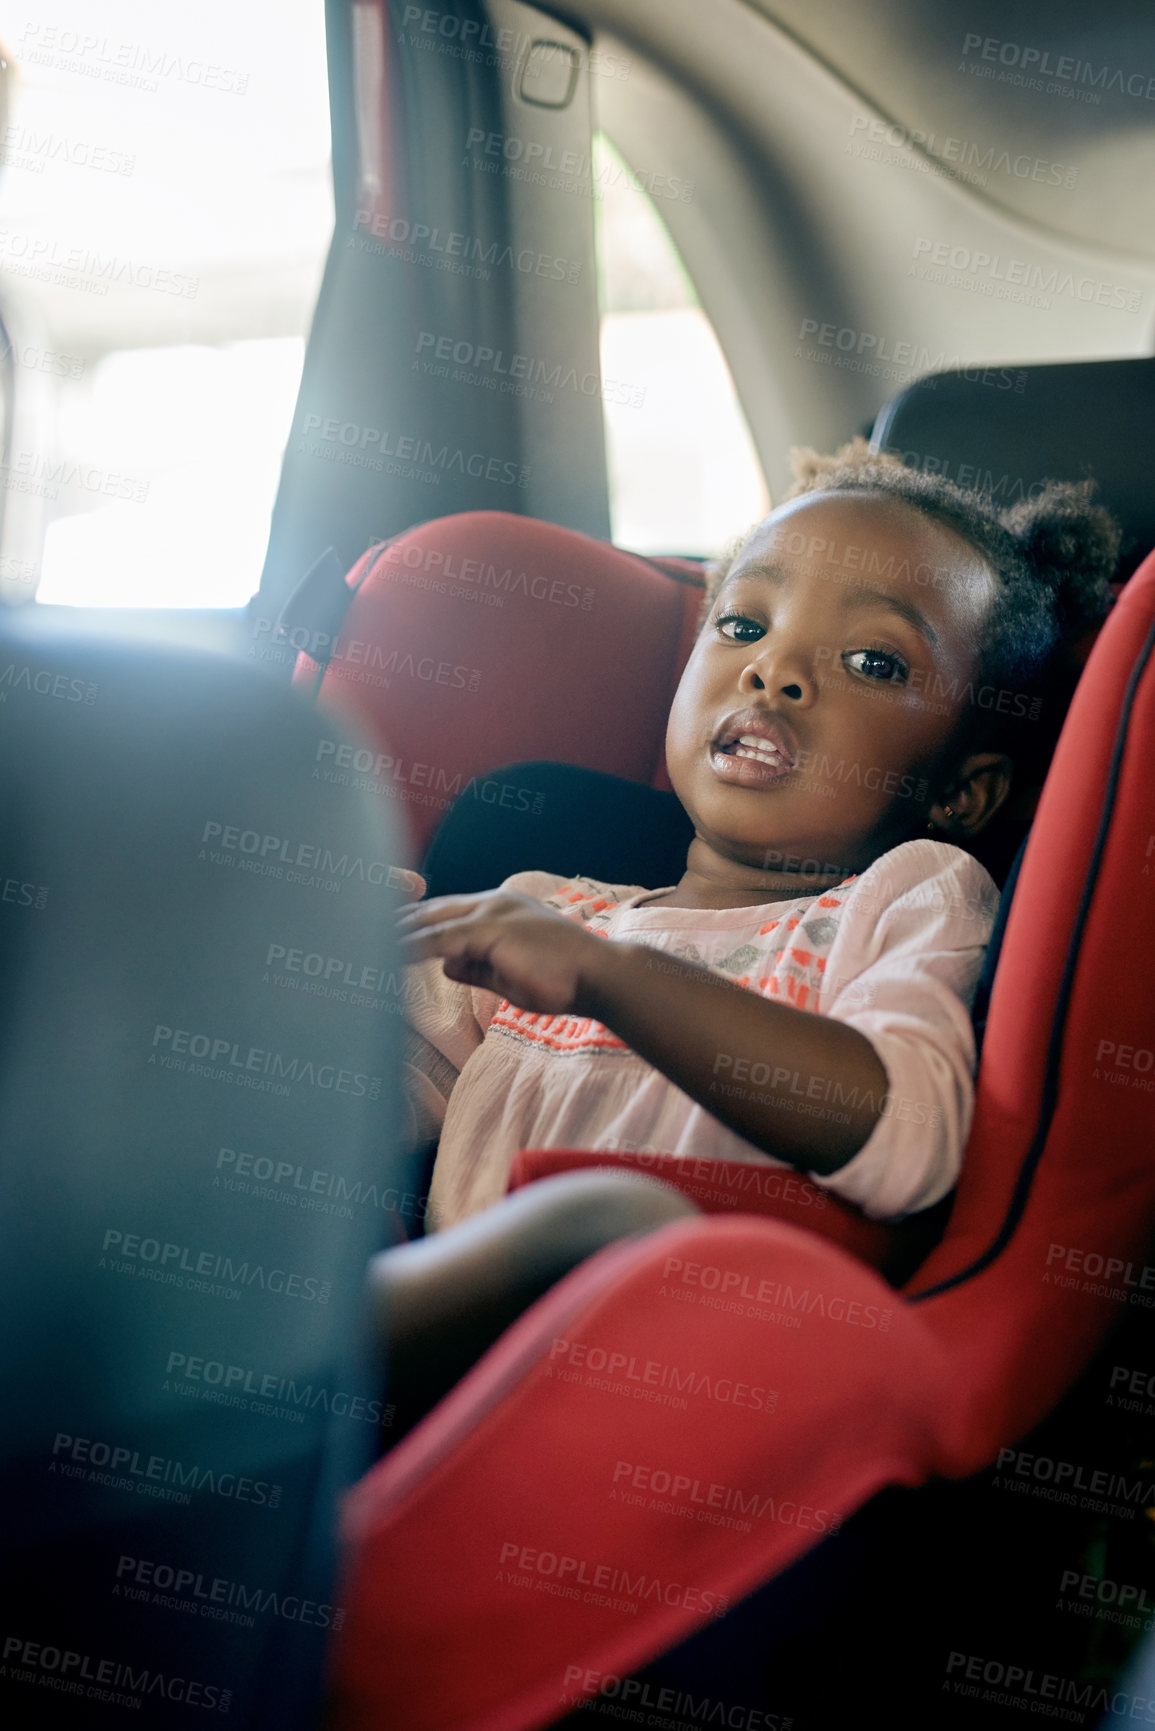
(1004, 430)
(486, 638)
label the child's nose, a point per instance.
(793, 690)
(782, 672)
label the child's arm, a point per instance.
(696, 1028)
(749, 1060)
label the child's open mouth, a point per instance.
(752, 751)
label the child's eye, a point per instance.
(877, 664)
(746, 630)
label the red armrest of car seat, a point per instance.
(502, 1559)
(745, 1187)
(494, 1570)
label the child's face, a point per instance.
(841, 645)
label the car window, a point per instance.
(166, 211)
(683, 472)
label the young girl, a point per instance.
(869, 662)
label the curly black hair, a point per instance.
(1052, 555)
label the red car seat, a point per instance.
(761, 1373)
(942, 1385)
(495, 1512)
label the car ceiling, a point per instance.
(907, 59)
(916, 65)
(765, 103)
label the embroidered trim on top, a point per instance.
(561, 1035)
(792, 973)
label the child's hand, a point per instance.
(407, 882)
(506, 943)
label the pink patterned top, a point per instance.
(895, 952)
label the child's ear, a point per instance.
(977, 790)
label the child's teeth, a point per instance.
(750, 745)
